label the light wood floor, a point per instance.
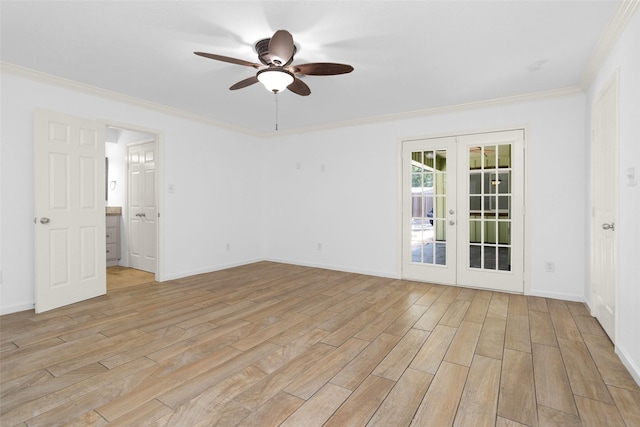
(123, 277)
(270, 344)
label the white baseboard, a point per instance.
(17, 307)
(209, 269)
(633, 369)
(557, 295)
(334, 268)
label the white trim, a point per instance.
(335, 268)
(557, 295)
(17, 70)
(627, 361)
(212, 269)
(93, 90)
(528, 97)
(17, 308)
(612, 32)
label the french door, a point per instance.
(463, 214)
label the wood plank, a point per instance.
(406, 321)
(364, 363)
(583, 374)
(456, 312)
(394, 364)
(517, 336)
(542, 331)
(479, 402)
(371, 331)
(274, 411)
(274, 384)
(479, 307)
(432, 352)
(310, 381)
(362, 403)
(552, 383)
(438, 408)
(403, 400)
(517, 399)
(595, 413)
(564, 324)
(316, 410)
(554, 418)
(491, 341)
(611, 369)
(537, 304)
(464, 343)
(628, 403)
(429, 320)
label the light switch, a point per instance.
(172, 188)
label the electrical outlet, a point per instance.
(549, 267)
(319, 246)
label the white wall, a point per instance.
(625, 57)
(214, 172)
(352, 208)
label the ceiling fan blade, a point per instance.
(322, 69)
(299, 87)
(244, 83)
(281, 47)
(228, 59)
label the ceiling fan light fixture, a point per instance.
(275, 80)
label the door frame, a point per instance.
(158, 136)
(526, 264)
(612, 83)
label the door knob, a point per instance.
(611, 226)
(44, 220)
(451, 211)
(452, 222)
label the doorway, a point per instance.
(125, 192)
(463, 210)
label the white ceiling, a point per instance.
(408, 55)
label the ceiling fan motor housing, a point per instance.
(262, 49)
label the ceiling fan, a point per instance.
(275, 71)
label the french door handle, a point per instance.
(611, 226)
(44, 220)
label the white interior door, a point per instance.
(463, 213)
(142, 206)
(70, 264)
(604, 161)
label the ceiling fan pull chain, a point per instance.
(276, 95)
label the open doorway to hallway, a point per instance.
(132, 206)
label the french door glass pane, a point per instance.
(428, 207)
(490, 207)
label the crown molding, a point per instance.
(612, 32)
(28, 73)
(115, 96)
(528, 97)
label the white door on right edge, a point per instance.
(605, 203)
(463, 210)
